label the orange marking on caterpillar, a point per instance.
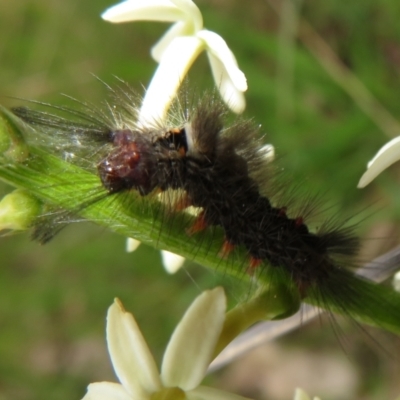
(199, 225)
(254, 264)
(226, 249)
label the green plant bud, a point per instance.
(18, 210)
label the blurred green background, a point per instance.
(324, 82)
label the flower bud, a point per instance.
(18, 210)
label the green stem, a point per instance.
(274, 303)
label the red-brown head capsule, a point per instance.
(130, 165)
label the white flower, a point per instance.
(386, 156)
(177, 50)
(396, 281)
(185, 360)
(132, 245)
(172, 262)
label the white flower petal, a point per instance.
(207, 393)
(177, 57)
(386, 156)
(144, 10)
(192, 11)
(130, 356)
(175, 63)
(181, 28)
(172, 262)
(132, 245)
(396, 281)
(233, 98)
(192, 344)
(217, 46)
(108, 391)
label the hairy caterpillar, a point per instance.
(222, 171)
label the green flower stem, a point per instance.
(375, 305)
(274, 303)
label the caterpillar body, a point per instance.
(223, 171)
(215, 167)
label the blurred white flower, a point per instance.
(396, 281)
(176, 51)
(132, 245)
(172, 262)
(185, 362)
(386, 156)
(300, 394)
